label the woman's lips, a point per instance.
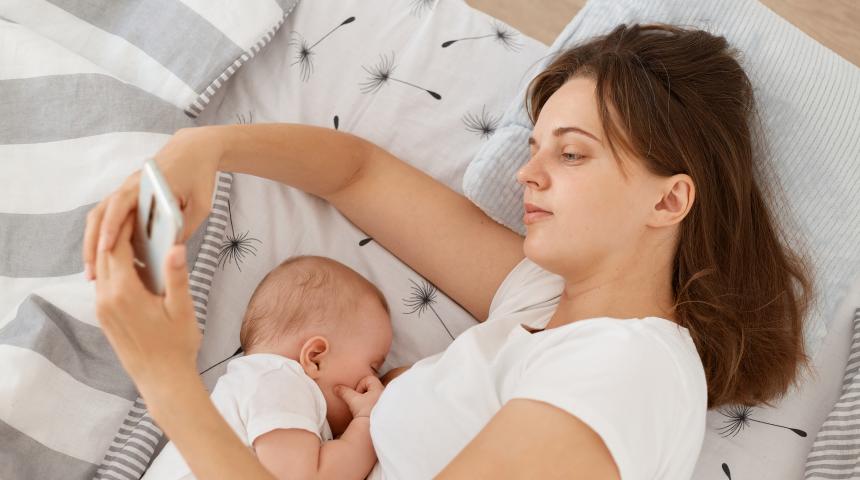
(533, 217)
(534, 214)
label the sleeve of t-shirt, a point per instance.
(621, 383)
(283, 399)
(526, 286)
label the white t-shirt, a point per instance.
(638, 383)
(259, 393)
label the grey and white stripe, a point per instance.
(206, 94)
(88, 90)
(138, 439)
(836, 451)
(39, 109)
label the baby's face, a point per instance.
(354, 356)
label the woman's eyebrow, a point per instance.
(562, 130)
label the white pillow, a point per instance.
(809, 100)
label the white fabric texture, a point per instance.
(259, 393)
(638, 383)
(809, 101)
(183, 66)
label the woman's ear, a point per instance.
(312, 354)
(676, 199)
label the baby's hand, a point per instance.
(362, 399)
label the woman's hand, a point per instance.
(156, 338)
(189, 162)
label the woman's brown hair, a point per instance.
(678, 101)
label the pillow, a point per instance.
(809, 100)
(772, 443)
(180, 50)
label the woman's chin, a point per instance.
(534, 250)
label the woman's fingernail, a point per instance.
(88, 272)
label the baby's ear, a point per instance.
(312, 355)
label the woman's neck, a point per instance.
(635, 293)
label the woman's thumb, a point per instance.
(177, 299)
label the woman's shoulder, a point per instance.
(651, 336)
(526, 286)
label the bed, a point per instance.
(432, 81)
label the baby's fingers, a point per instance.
(370, 384)
(347, 394)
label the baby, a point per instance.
(314, 335)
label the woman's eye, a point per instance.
(571, 157)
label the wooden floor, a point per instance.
(834, 23)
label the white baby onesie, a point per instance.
(259, 393)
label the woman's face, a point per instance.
(579, 209)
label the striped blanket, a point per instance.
(88, 91)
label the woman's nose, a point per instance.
(532, 175)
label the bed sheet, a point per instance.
(428, 81)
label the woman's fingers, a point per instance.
(121, 258)
(177, 298)
(91, 235)
(118, 207)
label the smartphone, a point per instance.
(158, 227)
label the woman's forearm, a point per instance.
(318, 160)
(182, 408)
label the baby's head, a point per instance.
(325, 316)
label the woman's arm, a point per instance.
(549, 443)
(433, 229)
(156, 339)
(209, 446)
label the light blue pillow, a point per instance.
(809, 101)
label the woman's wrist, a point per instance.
(160, 389)
(222, 138)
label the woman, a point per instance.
(669, 290)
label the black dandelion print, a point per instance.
(235, 248)
(305, 53)
(502, 34)
(483, 124)
(364, 241)
(727, 471)
(380, 74)
(739, 418)
(419, 7)
(336, 122)
(243, 119)
(423, 297)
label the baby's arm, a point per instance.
(295, 453)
